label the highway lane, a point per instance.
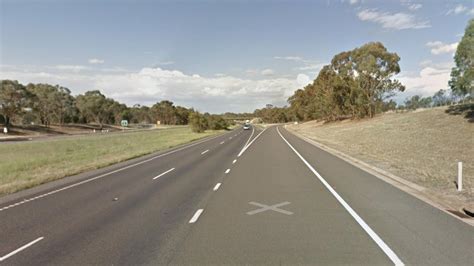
(319, 230)
(418, 232)
(279, 201)
(127, 217)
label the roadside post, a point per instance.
(459, 176)
(5, 130)
(124, 124)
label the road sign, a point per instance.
(124, 123)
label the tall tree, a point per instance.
(94, 107)
(118, 111)
(164, 111)
(462, 75)
(43, 102)
(198, 122)
(13, 98)
(140, 114)
(64, 104)
(373, 68)
(440, 98)
(182, 115)
(51, 103)
(417, 101)
(355, 84)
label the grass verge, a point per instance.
(27, 164)
(423, 147)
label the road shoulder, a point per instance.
(411, 188)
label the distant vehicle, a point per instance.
(246, 126)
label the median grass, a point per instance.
(423, 146)
(27, 164)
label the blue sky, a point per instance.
(220, 55)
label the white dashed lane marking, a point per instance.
(162, 174)
(196, 216)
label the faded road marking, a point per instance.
(264, 207)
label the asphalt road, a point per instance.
(282, 201)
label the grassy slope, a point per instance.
(27, 164)
(423, 147)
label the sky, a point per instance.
(219, 56)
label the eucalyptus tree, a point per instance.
(94, 107)
(14, 98)
(374, 68)
(462, 75)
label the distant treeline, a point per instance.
(47, 104)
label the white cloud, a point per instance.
(149, 85)
(411, 5)
(267, 72)
(397, 21)
(314, 67)
(353, 2)
(414, 7)
(457, 9)
(74, 68)
(96, 61)
(303, 80)
(290, 58)
(165, 63)
(307, 65)
(251, 71)
(429, 80)
(438, 47)
(461, 9)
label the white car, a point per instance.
(246, 126)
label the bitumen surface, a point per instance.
(243, 197)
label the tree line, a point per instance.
(201, 122)
(355, 85)
(359, 83)
(47, 104)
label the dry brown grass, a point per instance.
(423, 147)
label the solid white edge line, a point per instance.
(385, 248)
(20, 249)
(196, 216)
(164, 173)
(227, 171)
(108, 173)
(246, 147)
(204, 152)
(216, 187)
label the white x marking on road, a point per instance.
(269, 207)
